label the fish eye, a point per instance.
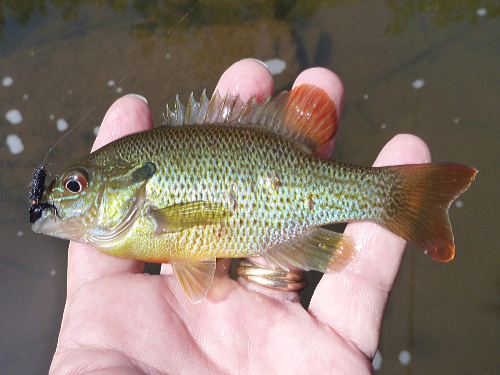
(76, 180)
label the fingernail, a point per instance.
(256, 60)
(138, 97)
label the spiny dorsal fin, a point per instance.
(305, 115)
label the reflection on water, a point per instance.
(428, 68)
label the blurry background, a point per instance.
(430, 68)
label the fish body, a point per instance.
(224, 179)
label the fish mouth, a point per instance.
(36, 210)
(40, 216)
(49, 222)
(44, 216)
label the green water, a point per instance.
(61, 59)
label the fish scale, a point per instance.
(243, 183)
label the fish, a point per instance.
(227, 179)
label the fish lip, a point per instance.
(47, 224)
(36, 210)
(41, 221)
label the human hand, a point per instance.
(118, 320)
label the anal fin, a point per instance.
(195, 276)
(319, 249)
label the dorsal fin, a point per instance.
(305, 115)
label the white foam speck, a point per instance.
(404, 357)
(481, 12)
(418, 84)
(111, 83)
(96, 130)
(276, 66)
(366, 96)
(459, 204)
(377, 361)
(53, 273)
(20, 233)
(13, 116)
(52, 117)
(62, 125)
(7, 81)
(119, 90)
(383, 126)
(25, 96)
(168, 56)
(14, 143)
(456, 121)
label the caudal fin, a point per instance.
(420, 215)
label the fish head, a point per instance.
(93, 203)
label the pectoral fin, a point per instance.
(187, 215)
(319, 249)
(195, 276)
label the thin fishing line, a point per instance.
(114, 88)
(183, 18)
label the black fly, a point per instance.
(36, 193)
(37, 185)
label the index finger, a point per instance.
(127, 115)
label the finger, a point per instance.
(85, 263)
(327, 80)
(247, 78)
(244, 78)
(127, 115)
(332, 84)
(352, 302)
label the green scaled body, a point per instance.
(266, 190)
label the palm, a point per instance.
(119, 320)
(147, 322)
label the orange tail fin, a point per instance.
(421, 216)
